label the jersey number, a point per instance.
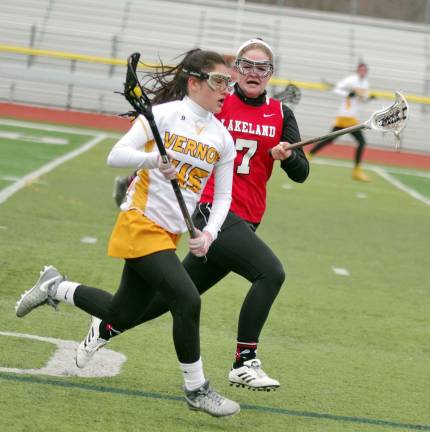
(251, 146)
(190, 179)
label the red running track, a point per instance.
(118, 124)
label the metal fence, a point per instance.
(311, 48)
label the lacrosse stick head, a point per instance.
(290, 95)
(392, 119)
(133, 91)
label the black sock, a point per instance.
(106, 331)
(244, 351)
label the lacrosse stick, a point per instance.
(137, 98)
(290, 95)
(392, 119)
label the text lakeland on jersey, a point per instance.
(248, 127)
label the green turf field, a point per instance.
(348, 336)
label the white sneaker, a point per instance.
(41, 293)
(208, 400)
(92, 343)
(252, 376)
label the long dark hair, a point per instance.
(169, 83)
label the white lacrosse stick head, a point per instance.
(392, 119)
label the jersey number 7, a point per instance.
(251, 146)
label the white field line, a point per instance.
(35, 139)
(399, 185)
(23, 181)
(384, 172)
(54, 128)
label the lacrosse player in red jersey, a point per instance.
(260, 127)
(150, 224)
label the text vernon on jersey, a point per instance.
(251, 128)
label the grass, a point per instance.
(351, 352)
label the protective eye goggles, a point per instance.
(216, 80)
(262, 68)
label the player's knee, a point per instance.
(279, 274)
(192, 304)
(187, 305)
(276, 275)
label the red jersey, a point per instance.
(255, 130)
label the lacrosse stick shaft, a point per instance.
(331, 135)
(174, 182)
(135, 94)
(176, 189)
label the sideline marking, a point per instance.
(399, 185)
(394, 170)
(259, 408)
(29, 178)
(106, 362)
(54, 128)
(16, 136)
(341, 271)
(89, 240)
(384, 173)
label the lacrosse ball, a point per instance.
(137, 91)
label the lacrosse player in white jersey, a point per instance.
(247, 111)
(354, 92)
(150, 223)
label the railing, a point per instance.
(74, 52)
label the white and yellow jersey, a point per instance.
(348, 114)
(199, 144)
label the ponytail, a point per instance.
(167, 84)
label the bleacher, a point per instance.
(310, 46)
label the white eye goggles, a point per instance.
(216, 80)
(262, 68)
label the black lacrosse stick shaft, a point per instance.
(174, 182)
(136, 96)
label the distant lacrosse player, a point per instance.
(354, 92)
(150, 224)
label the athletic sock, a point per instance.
(65, 292)
(107, 332)
(244, 351)
(193, 374)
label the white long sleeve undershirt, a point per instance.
(126, 152)
(222, 198)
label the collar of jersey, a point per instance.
(196, 109)
(258, 101)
